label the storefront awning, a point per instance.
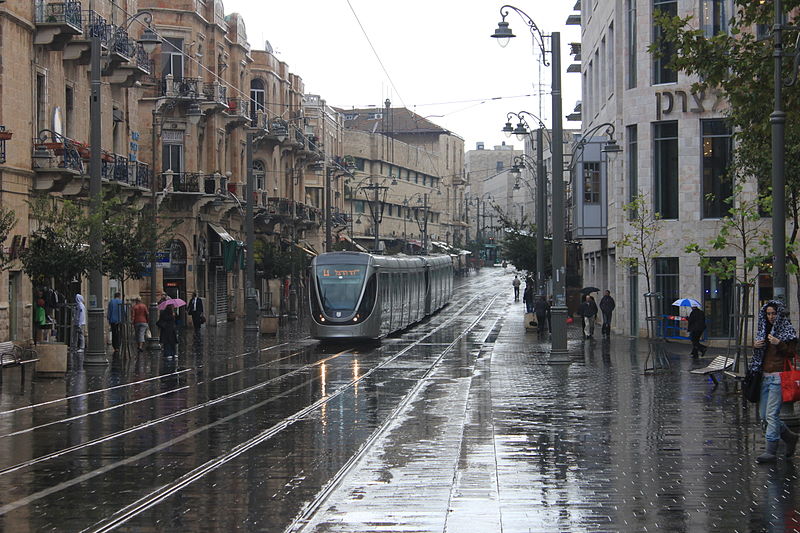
(222, 232)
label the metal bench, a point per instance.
(719, 364)
(14, 355)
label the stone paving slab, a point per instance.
(597, 445)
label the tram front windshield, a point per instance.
(340, 287)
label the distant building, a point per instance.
(416, 169)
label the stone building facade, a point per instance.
(676, 147)
(415, 167)
(177, 126)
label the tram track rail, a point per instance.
(276, 429)
(165, 491)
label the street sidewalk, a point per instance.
(505, 441)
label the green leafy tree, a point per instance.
(519, 243)
(741, 230)
(59, 248)
(642, 238)
(7, 222)
(130, 239)
(740, 68)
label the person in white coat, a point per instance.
(79, 322)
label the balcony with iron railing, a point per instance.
(79, 47)
(181, 88)
(182, 182)
(5, 135)
(238, 111)
(57, 21)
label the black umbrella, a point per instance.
(587, 290)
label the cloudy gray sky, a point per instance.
(439, 57)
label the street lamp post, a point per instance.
(95, 349)
(778, 121)
(558, 347)
(251, 303)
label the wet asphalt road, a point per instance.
(459, 424)
(227, 436)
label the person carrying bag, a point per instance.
(775, 344)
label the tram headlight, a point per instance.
(355, 318)
(321, 318)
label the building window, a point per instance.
(591, 183)
(41, 103)
(69, 112)
(714, 16)
(665, 167)
(358, 206)
(259, 173)
(632, 133)
(630, 22)
(172, 57)
(610, 61)
(667, 281)
(717, 181)
(666, 50)
(498, 166)
(172, 158)
(718, 300)
(258, 97)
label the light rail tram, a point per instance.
(356, 295)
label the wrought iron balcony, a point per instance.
(54, 151)
(181, 88)
(215, 92)
(181, 182)
(238, 111)
(79, 48)
(57, 22)
(4, 136)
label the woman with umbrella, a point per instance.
(168, 332)
(696, 326)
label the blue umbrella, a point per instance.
(687, 302)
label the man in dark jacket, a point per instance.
(541, 308)
(196, 311)
(588, 311)
(696, 327)
(607, 305)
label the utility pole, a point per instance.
(375, 218)
(541, 206)
(425, 226)
(95, 345)
(251, 304)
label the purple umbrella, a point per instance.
(174, 302)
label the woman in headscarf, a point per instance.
(776, 340)
(167, 331)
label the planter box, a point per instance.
(52, 359)
(269, 325)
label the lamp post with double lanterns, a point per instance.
(95, 349)
(558, 348)
(422, 198)
(375, 204)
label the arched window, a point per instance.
(258, 97)
(259, 172)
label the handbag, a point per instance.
(202, 319)
(751, 385)
(147, 334)
(790, 383)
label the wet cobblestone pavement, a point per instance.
(503, 441)
(459, 424)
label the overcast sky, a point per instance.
(438, 54)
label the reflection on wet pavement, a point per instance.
(457, 424)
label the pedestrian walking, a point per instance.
(775, 344)
(588, 310)
(114, 317)
(607, 305)
(40, 320)
(140, 318)
(196, 312)
(79, 322)
(527, 298)
(516, 284)
(168, 333)
(696, 327)
(541, 308)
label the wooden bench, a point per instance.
(719, 364)
(14, 355)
